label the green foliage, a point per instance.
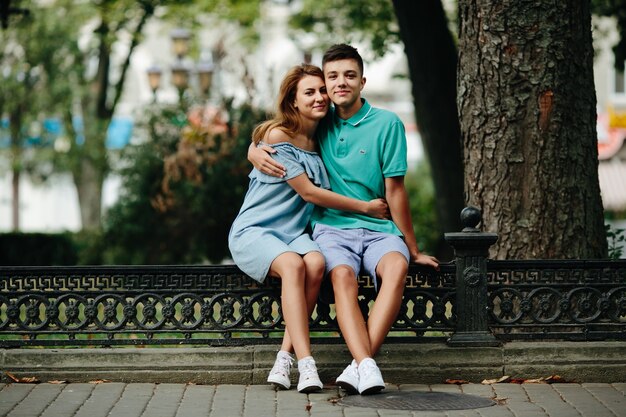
(419, 186)
(197, 14)
(181, 190)
(348, 21)
(34, 84)
(616, 239)
(37, 249)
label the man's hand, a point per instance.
(378, 208)
(427, 260)
(259, 157)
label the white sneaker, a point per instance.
(279, 375)
(370, 378)
(349, 379)
(309, 380)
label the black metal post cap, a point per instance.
(470, 218)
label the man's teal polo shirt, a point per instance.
(359, 153)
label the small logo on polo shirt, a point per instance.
(362, 152)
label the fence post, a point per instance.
(471, 249)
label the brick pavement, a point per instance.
(183, 400)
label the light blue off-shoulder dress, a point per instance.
(273, 218)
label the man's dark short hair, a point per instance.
(342, 51)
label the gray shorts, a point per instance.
(360, 249)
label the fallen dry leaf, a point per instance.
(456, 381)
(56, 381)
(500, 380)
(12, 377)
(535, 381)
(557, 379)
(22, 380)
(99, 381)
(500, 400)
(308, 407)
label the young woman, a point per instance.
(269, 235)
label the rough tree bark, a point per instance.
(527, 108)
(432, 60)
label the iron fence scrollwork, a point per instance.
(471, 301)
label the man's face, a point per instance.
(344, 82)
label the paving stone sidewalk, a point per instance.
(181, 400)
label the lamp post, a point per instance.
(154, 80)
(180, 42)
(205, 71)
(182, 69)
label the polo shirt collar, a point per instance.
(359, 116)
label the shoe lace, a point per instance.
(352, 370)
(367, 368)
(308, 369)
(283, 365)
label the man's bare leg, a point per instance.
(392, 269)
(349, 316)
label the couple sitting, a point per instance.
(364, 223)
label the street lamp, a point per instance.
(205, 76)
(180, 77)
(154, 80)
(182, 69)
(180, 42)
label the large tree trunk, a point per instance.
(528, 119)
(15, 198)
(90, 171)
(432, 60)
(15, 122)
(89, 188)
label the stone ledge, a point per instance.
(427, 363)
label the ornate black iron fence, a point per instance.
(213, 305)
(472, 301)
(575, 300)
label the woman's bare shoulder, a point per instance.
(276, 135)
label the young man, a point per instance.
(364, 150)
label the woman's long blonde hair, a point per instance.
(287, 117)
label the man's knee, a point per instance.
(343, 278)
(393, 267)
(393, 262)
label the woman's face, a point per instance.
(311, 98)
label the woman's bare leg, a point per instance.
(290, 268)
(314, 265)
